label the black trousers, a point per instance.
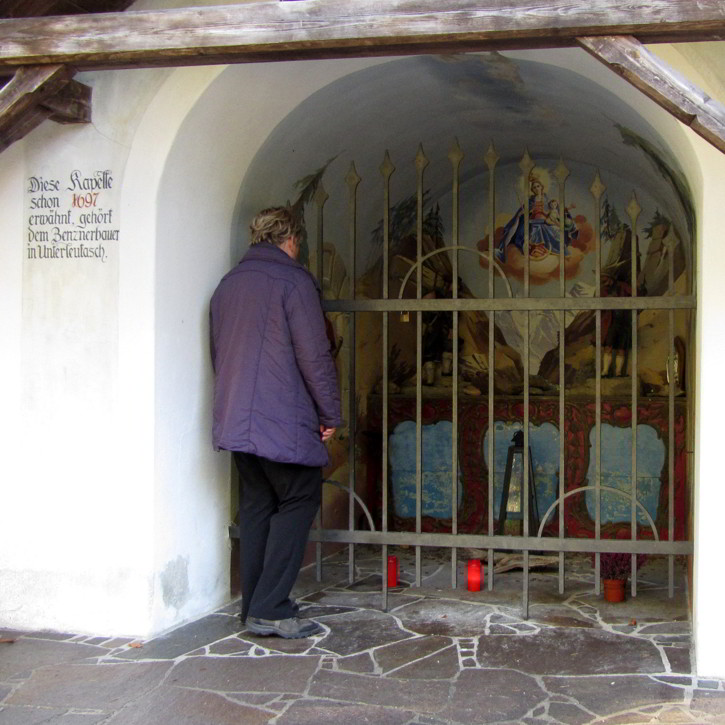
(278, 505)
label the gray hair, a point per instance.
(274, 226)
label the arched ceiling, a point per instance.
(434, 101)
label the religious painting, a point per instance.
(464, 152)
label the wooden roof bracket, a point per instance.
(36, 93)
(627, 57)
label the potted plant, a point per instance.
(614, 570)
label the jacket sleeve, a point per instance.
(212, 342)
(312, 350)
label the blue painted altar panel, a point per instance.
(437, 469)
(617, 471)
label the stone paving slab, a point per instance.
(709, 702)
(355, 600)
(568, 713)
(486, 696)
(362, 664)
(276, 673)
(28, 653)
(359, 631)
(178, 706)
(231, 646)
(609, 695)
(442, 665)
(47, 716)
(185, 639)
(393, 656)
(569, 652)
(446, 617)
(104, 687)
(424, 696)
(678, 659)
(324, 712)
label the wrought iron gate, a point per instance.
(386, 306)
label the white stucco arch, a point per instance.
(190, 153)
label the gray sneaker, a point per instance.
(295, 610)
(291, 628)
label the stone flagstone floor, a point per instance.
(437, 656)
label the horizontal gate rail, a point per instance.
(536, 304)
(504, 543)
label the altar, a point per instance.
(579, 462)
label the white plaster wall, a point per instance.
(120, 506)
(72, 542)
(709, 589)
(704, 64)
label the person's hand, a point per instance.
(326, 433)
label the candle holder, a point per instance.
(475, 575)
(392, 571)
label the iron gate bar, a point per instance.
(499, 304)
(455, 156)
(512, 543)
(527, 166)
(597, 189)
(319, 199)
(420, 163)
(386, 169)
(671, 422)
(562, 173)
(491, 159)
(633, 209)
(353, 180)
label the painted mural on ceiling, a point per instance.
(432, 102)
(567, 152)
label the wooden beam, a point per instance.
(35, 94)
(27, 89)
(72, 104)
(265, 31)
(627, 57)
(22, 126)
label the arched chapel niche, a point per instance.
(589, 168)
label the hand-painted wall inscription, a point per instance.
(71, 216)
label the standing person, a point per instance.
(276, 402)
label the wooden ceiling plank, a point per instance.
(627, 57)
(329, 28)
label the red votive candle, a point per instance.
(392, 571)
(474, 575)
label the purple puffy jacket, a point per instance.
(275, 377)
